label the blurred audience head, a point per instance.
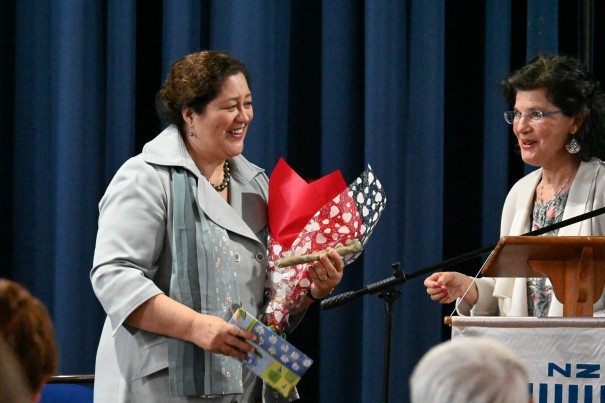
(469, 370)
(27, 329)
(13, 387)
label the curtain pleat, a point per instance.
(182, 31)
(342, 145)
(497, 141)
(33, 170)
(77, 96)
(408, 87)
(7, 77)
(119, 135)
(542, 27)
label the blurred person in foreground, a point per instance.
(13, 387)
(558, 118)
(27, 329)
(469, 370)
(182, 242)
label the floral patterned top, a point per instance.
(539, 293)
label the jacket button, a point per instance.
(236, 256)
(260, 257)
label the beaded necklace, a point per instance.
(226, 177)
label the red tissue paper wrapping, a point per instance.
(310, 217)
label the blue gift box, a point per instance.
(277, 362)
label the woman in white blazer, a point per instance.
(182, 243)
(559, 122)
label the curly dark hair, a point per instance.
(27, 328)
(571, 87)
(195, 80)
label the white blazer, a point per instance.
(508, 296)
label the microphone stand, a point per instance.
(390, 295)
(389, 291)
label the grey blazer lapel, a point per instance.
(245, 216)
(249, 205)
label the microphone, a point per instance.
(340, 299)
(400, 277)
(397, 278)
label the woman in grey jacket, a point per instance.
(559, 122)
(182, 243)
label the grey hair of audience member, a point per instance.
(469, 370)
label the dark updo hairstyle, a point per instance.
(195, 80)
(569, 85)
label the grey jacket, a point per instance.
(132, 260)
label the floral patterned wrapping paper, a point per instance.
(277, 362)
(310, 217)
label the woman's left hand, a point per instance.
(326, 274)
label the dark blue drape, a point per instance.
(409, 87)
(118, 140)
(495, 161)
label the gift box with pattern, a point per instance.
(277, 362)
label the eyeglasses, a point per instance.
(534, 116)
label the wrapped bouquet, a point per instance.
(310, 218)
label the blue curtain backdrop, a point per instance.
(407, 86)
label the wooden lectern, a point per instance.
(575, 266)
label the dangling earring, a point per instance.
(573, 147)
(191, 132)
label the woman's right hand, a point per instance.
(446, 287)
(217, 336)
(162, 315)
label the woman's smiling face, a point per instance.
(542, 142)
(221, 127)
